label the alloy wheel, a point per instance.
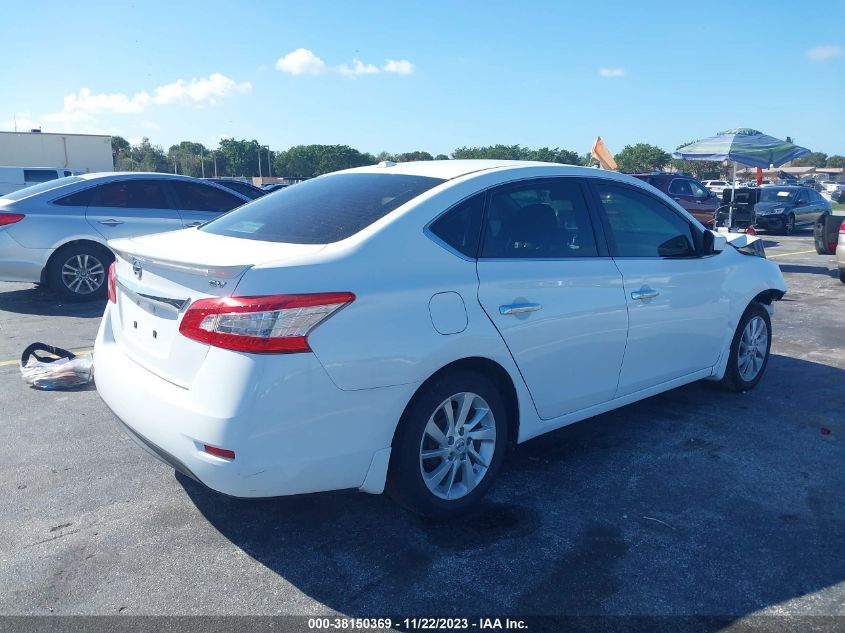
(83, 274)
(457, 446)
(752, 348)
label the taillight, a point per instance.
(277, 324)
(10, 218)
(113, 283)
(842, 228)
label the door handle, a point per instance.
(519, 308)
(110, 222)
(645, 293)
(197, 223)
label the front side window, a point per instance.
(322, 210)
(543, 220)
(132, 194)
(193, 196)
(680, 187)
(697, 190)
(460, 227)
(642, 226)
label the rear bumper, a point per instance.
(775, 222)
(21, 264)
(292, 430)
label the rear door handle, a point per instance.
(519, 308)
(110, 222)
(645, 293)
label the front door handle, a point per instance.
(519, 308)
(110, 222)
(192, 224)
(645, 293)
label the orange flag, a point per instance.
(603, 155)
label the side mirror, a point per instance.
(713, 242)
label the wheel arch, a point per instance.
(485, 367)
(59, 249)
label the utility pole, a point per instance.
(215, 163)
(269, 163)
(259, 163)
(202, 163)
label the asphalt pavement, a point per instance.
(694, 502)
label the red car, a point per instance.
(686, 191)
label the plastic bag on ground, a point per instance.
(66, 371)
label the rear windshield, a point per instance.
(322, 210)
(40, 187)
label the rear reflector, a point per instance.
(218, 452)
(112, 283)
(10, 218)
(276, 324)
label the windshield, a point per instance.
(323, 210)
(773, 194)
(20, 194)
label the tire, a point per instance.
(737, 375)
(789, 225)
(818, 236)
(455, 457)
(842, 275)
(91, 260)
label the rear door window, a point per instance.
(322, 210)
(540, 220)
(39, 175)
(194, 196)
(133, 194)
(642, 226)
(460, 227)
(680, 187)
(79, 199)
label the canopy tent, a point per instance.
(744, 146)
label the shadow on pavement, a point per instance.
(693, 502)
(41, 301)
(812, 270)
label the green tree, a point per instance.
(148, 157)
(239, 157)
(120, 151)
(518, 152)
(188, 158)
(441, 157)
(411, 156)
(813, 159)
(641, 157)
(306, 161)
(835, 161)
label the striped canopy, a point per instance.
(743, 146)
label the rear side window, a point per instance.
(132, 194)
(540, 220)
(460, 227)
(642, 226)
(194, 196)
(323, 210)
(79, 199)
(39, 175)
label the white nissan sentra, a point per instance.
(394, 327)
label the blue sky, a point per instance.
(430, 75)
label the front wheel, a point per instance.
(449, 445)
(789, 225)
(750, 348)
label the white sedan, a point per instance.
(395, 326)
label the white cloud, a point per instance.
(358, 68)
(821, 53)
(301, 62)
(611, 72)
(20, 122)
(398, 66)
(199, 91)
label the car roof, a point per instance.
(450, 169)
(136, 174)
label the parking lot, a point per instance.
(694, 502)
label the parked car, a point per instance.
(271, 187)
(781, 209)
(838, 194)
(15, 178)
(829, 186)
(688, 192)
(56, 233)
(717, 186)
(396, 326)
(244, 188)
(826, 232)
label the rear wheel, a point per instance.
(449, 445)
(750, 348)
(842, 275)
(78, 272)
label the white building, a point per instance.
(77, 152)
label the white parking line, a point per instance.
(786, 254)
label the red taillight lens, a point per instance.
(842, 228)
(277, 324)
(113, 283)
(10, 218)
(218, 452)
